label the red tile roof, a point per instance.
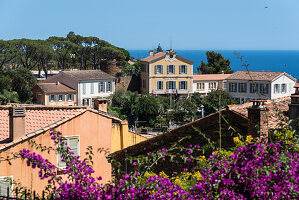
(55, 88)
(276, 109)
(154, 57)
(210, 77)
(254, 75)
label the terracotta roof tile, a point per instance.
(255, 75)
(210, 77)
(153, 57)
(276, 110)
(55, 88)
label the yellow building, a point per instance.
(166, 73)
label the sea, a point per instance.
(257, 60)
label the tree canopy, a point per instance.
(217, 64)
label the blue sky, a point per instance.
(140, 24)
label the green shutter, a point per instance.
(63, 97)
(73, 97)
(49, 97)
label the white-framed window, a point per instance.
(60, 97)
(183, 69)
(276, 88)
(254, 87)
(200, 86)
(159, 85)
(108, 87)
(84, 88)
(52, 97)
(73, 144)
(158, 69)
(212, 85)
(170, 69)
(101, 87)
(224, 84)
(171, 85)
(91, 88)
(264, 88)
(6, 182)
(232, 87)
(243, 87)
(283, 88)
(183, 85)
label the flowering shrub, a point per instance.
(255, 169)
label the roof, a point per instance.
(55, 88)
(206, 125)
(41, 118)
(154, 57)
(210, 77)
(255, 75)
(276, 109)
(160, 55)
(71, 78)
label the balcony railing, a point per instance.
(171, 91)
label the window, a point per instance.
(52, 97)
(171, 85)
(5, 182)
(73, 143)
(158, 69)
(70, 97)
(232, 87)
(108, 87)
(243, 87)
(254, 87)
(60, 97)
(159, 85)
(170, 69)
(283, 88)
(276, 88)
(264, 88)
(91, 88)
(212, 85)
(183, 69)
(84, 88)
(170, 56)
(183, 85)
(200, 86)
(224, 85)
(101, 87)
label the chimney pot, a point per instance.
(100, 104)
(152, 53)
(257, 119)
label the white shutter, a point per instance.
(73, 143)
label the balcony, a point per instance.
(173, 91)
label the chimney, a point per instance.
(294, 109)
(151, 52)
(16, 122)
(57, 83)
(100, 104)
(257, 119)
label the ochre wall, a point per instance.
(166, 77)
(122, 137)
(59, 103)
(93, 130)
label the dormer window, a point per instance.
(170, 56)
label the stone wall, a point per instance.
(131, 83)
(110, 67)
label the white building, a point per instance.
(89, 84)
(205, 83)
(251, 85)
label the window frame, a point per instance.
(60, 95)
(52, 95)
(83, 88)
(185, 69)
(185, 85)
(108, 86)
(212, 85)
(242, 88)
(78, 147)
(10, 183)
(200, 84)
(283, 89)
(158, 69)
(159, 83)
(168, 69)
(173, 84)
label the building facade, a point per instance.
(205, 83)
(89, 84)
(245, 86)
(166, 73)
(54, 94)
